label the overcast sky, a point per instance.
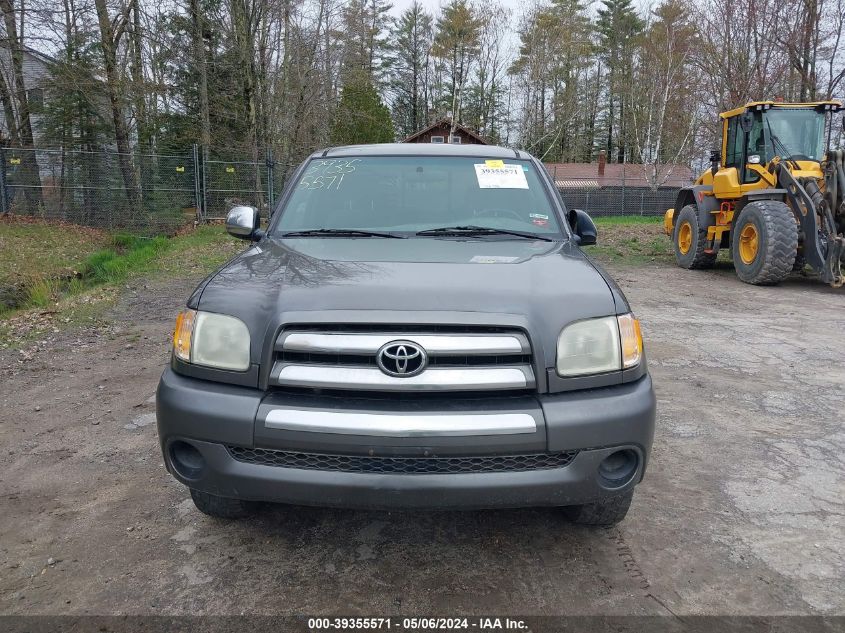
(433, 5)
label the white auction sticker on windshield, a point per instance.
(504, 177)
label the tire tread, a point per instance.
(700, 259)
(221, 507)
(781, 245)
(605, 512)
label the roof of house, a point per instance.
(586, 175)
(447, 122)
(40, 55)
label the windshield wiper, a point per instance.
(340, 233)
(472, 230)
(779, 146)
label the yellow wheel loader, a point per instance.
(772, 195)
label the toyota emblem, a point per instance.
(401, 359)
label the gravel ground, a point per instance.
(742, 510)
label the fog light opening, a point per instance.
(617, 469)
(186, 460)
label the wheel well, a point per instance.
(685, 197)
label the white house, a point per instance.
(36, 74)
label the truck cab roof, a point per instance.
(421, 149)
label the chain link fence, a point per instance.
(158, 193)
(140, 192)
(144, 193)
(631, 197)
(228, 183)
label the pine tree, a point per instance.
(456, 42)
(618, 26)
(552, 67)
(412, 47)
(361, 117)
(367, 25)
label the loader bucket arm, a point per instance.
(824, 247)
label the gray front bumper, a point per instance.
(210, 416)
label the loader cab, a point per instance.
(743, 138)
(796, 132)
(756, 134)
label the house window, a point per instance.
(438, 139)
(455, 139)
(35, 99)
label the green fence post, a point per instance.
(270, 193)
(4, 190)
(204, 180)
(198, 202)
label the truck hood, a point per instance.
(535, 285)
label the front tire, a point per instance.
(605, 512)
(221, 507)
(764, 242)
(690, 241)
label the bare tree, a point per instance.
(664, 93)
(486, 87)
(22, 124)
(201, 68)
(111, 33)
(832, 53)
(456, 42)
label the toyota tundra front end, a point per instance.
(416, 328)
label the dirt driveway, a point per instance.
(742, 510)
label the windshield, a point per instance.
(408, 194)
(791, 132)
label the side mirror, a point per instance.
(715, 160)
(583, 226)
(243, 223)
(746, 121)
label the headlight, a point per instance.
(597, 346)
(212, 340)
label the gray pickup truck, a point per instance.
(417, 327)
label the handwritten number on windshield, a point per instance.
(327, 174)
(321, 182)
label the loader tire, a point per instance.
(764, 242)
(690, 239)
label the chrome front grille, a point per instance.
(440, 344)
(462, 359)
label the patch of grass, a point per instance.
(37, 259)
(31, 250)
(42, 292)
(21, 328)
(196, 252)
(84, 299)
(627, 220)
(631, 240)
(129, 255)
